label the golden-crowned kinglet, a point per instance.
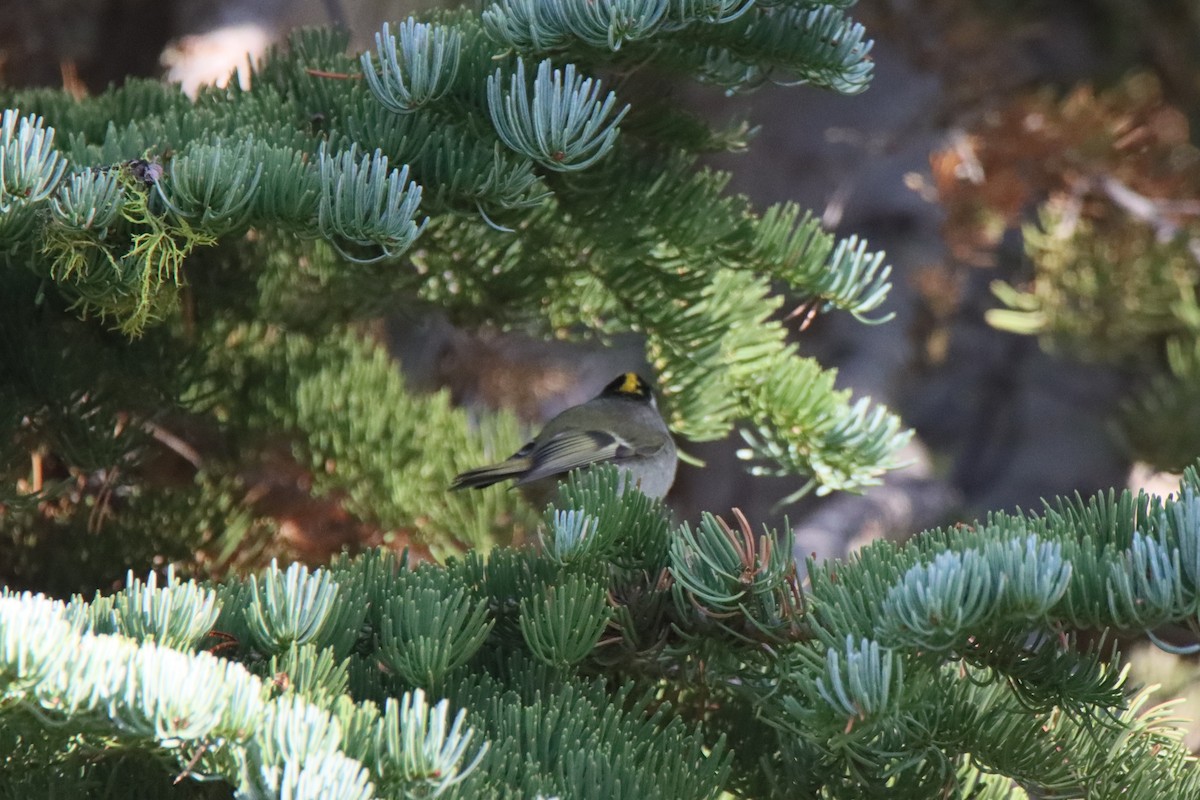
(620, 426)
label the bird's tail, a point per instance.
(486, 476)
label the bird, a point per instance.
(621, 426)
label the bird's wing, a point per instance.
(573, 449)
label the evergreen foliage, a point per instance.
(196, 271)
(207, 268)
(950, 666)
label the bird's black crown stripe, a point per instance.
(629, 384)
